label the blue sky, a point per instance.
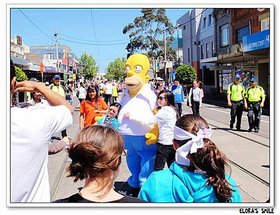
(91, 26)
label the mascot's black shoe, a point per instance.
(127, 190)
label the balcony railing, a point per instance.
(230, 51)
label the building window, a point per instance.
(48, 56)
(201, 52)
(184, 28)
(224, 35)
(213, 49)
(189, 60)
(265, 24)
(209, 19)
(204, 22)
(60, 55)
(241, 32)
(207, 50)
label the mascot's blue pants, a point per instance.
(140, 159)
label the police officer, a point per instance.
(256, 97)
(235, 100)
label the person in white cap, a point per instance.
(198, 173)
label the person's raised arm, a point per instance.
(53, 98)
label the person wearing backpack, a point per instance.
(256, 96)
(235, 100)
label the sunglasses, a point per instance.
(161, 97)
(110, 109)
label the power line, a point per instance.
(35, 24)
(103, 41)
(93, 44)
(94, 31)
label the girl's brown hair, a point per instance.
(93, 88)
(95, 150)
(208, 160)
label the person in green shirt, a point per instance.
(235, 100)
(256, 96)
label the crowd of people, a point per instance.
(170, 156)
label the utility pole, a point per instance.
(56, 46)
(165, 58)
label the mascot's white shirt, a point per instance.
(141, 106)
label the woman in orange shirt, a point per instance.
(91, 107)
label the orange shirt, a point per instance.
(87, 109)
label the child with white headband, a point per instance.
(198, 174)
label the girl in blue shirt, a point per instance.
(198, 174)
(111, 118)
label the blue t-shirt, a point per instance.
(178, 93)
(108, 122)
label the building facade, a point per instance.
(207, 51)
(190, 25)
(220, 42)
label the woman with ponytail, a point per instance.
(96, 157)
(199, 171)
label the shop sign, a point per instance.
(256, 41)
(50, 69)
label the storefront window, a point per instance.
(225, 79)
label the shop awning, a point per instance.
(209, 60)
(20, 61)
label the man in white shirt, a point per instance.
(81, 93)
(31, 130)
(108, 92)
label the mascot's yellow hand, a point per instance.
(152, 135)
(97, 118)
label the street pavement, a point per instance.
(248, 153)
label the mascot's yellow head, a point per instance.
(137, 66)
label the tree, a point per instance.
(89, 68)
(115, 70)
(146, 34)
(20, 75)
(185, 74)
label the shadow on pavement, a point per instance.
(230, 129)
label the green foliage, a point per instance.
(89, 68)
(186, 74)
(20, 75)
(116, 70)
(146, 33)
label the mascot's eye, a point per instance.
(127, 68)
(138, 69)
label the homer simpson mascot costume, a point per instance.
(138, 99)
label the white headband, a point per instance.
(191, 146)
